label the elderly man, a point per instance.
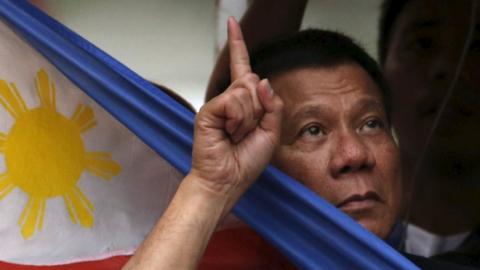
(331, 132)
(434, 110)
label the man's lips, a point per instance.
(358, 202)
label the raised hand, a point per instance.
(235, 135)
(236, 132)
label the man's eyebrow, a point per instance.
(309, 110)
(369, 105)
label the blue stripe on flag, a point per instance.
(306, 228)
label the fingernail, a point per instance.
(269, 87)
(229, 24)
(231, 20)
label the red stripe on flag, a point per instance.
(242, 249)
(238, 249)
(113, 263)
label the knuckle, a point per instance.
(258, 112)
(249, 79)
(242, 94)
(228, 97)
(252, 77)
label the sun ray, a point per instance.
(32, 216)
(69, 206)
(3, 137)
(83, 198)
(45, 90)
(102, 165)
(79, 207)
(11, 100)
(25, 211)
(6, 185)
(41, 215)
(84, 117)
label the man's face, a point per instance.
(425, 45)
(336, 141)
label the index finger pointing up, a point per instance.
(239, 58)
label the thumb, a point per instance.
(273, 106)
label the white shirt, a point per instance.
(423, 243)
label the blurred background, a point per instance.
(175, 42)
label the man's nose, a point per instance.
(350, 155)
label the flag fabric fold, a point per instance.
(306, 228)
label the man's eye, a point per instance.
(312, 130)
(371, 125)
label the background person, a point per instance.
(420, 45)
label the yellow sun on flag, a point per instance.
(45, 156)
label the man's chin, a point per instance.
(377, 227)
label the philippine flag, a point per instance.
(91, 153)
(70, 172)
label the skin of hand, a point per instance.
(235, 136)
(236, 132)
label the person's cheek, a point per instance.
(394, 178)
(388, 166)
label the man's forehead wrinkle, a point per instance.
(364, 104)
(327, 88)
(308, 111)
(341, 82)
(338, 86)
(369, 104)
